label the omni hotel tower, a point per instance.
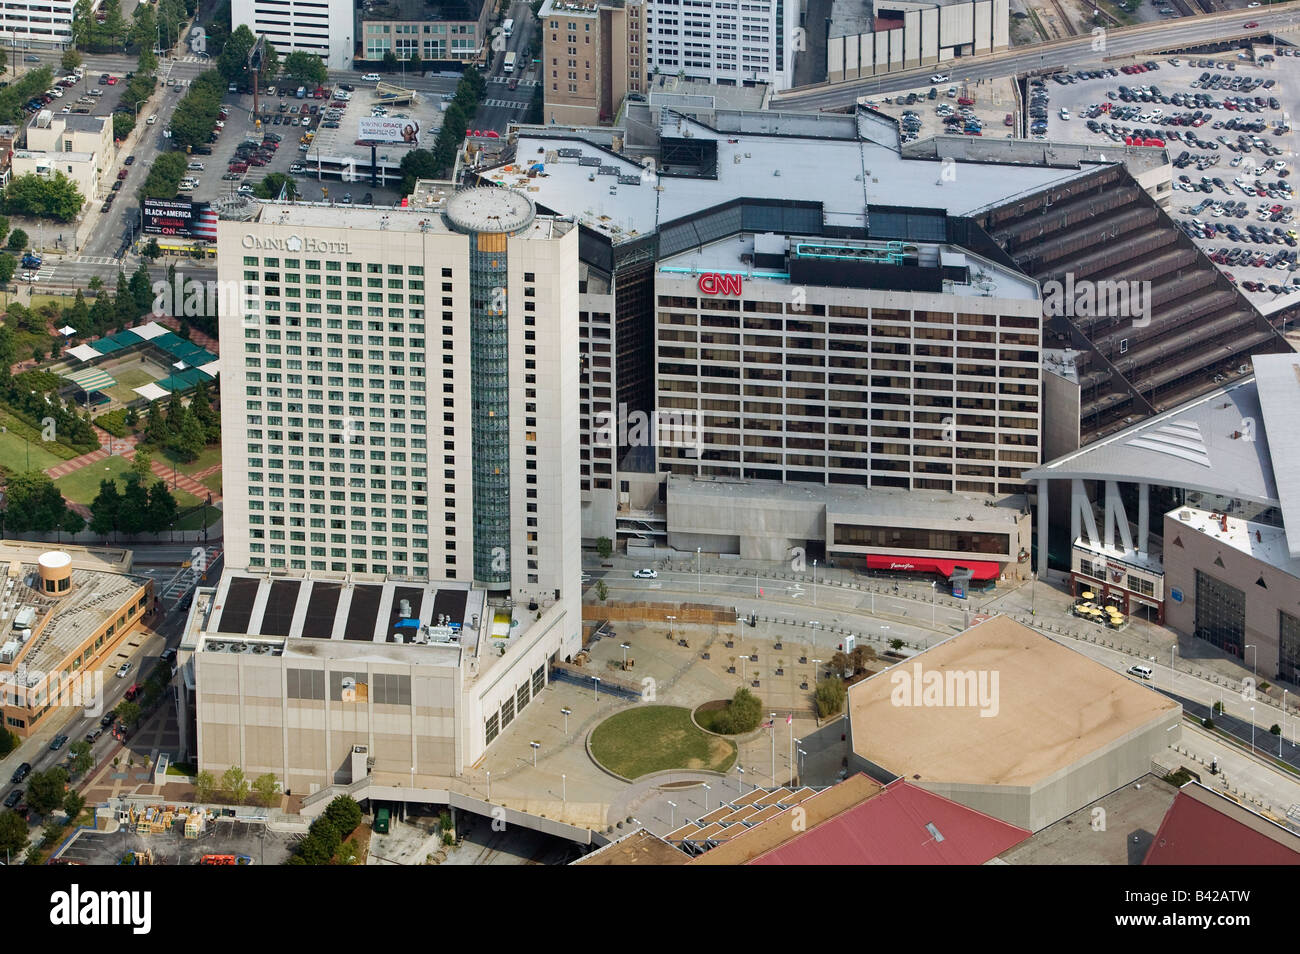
(400, 393)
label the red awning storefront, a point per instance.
(980, 569)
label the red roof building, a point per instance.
(902, 825)
(1203, 827)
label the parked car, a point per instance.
(93, 734)
(21, 772)
(123, 670)
(13, 798)
(646, 574)
(58, 743)
(374, 77)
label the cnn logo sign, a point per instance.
(714, 283)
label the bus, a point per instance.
(508, 28)
(510, 62)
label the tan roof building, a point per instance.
(1008, 722)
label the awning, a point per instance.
(980, 569)
(151, 392)
(92, 379)
(83, 352)
(150, 330)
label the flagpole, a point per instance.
(790, 722)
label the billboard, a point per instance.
(178, 217)
(388, 129)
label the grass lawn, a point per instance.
(648, 739)
(212, 482)
(194, 521)
(127, 379)
(14, 452)
(82, 485)
(210, 457)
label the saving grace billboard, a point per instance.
(388, 129)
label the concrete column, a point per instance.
(1081, 509)
(1144, 518)
(1042, 517)
(1117, 517)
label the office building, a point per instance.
(446, 31)
(724, 41)
(323, 28)
(36, 25)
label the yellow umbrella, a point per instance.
(1087, 594)
(1112, 609)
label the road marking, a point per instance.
(505, 104)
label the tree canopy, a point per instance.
(56, 197)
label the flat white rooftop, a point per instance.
(308, 215)
(844, 174)
(1262, 541)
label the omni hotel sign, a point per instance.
(295, 243)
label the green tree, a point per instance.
(46, 790)
(324, 831)
(168, 169)
(8, 265)
(71, 522)
(235, 785)
(147, 61)
(604, 547)
(267, 789)
(123, 123)
(141, 466)
(96, 283)
(18, 240)
(345, 813)
(82, 759)
(152, 251)
(602, 591)
(124, 309)
(233, 61)
(305, 69)
(73, 803)
(415, 64)
(205, 786)
(133, 510)
(391, 63)
(128, 712)
(141, 286)
(190, 438)
(830, 697)
(269, 187)
(13, 835)
(8, 741)
(742, 714)
(418, 164)
(32, 502)
(70, 60)
(162, 508)
(55, 197)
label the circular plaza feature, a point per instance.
(646, 739)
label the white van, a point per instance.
(195, 167)
(1142, 672)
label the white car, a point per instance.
(939, 78)
(1065, 113)
(123, 670)
(151, 120)
(30, 276)
(646, 574)
(370, 78)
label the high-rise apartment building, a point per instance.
(404, 388)
(593, 55)
(322, 27)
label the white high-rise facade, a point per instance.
(723, 41)
(36, 24)
(324, 28)
(401, 394)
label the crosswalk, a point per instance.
(93, 260)
(503, 80)
(505, 104)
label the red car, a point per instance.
(112, 80)
(122, 173)
(1249, 26)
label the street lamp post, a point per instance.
(489, 776)
(699, 579)
(672, 822)
(566, 712)
(740, 779)
(625, 647)
(772, 732)
(535, 746)
(707, 789)
(934, 590)
(814, 586)
(564, 787)
(1254, 655)
(670, 625)
(1033, 594)
(596, 683)
(802, 756)
(1252, 730)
